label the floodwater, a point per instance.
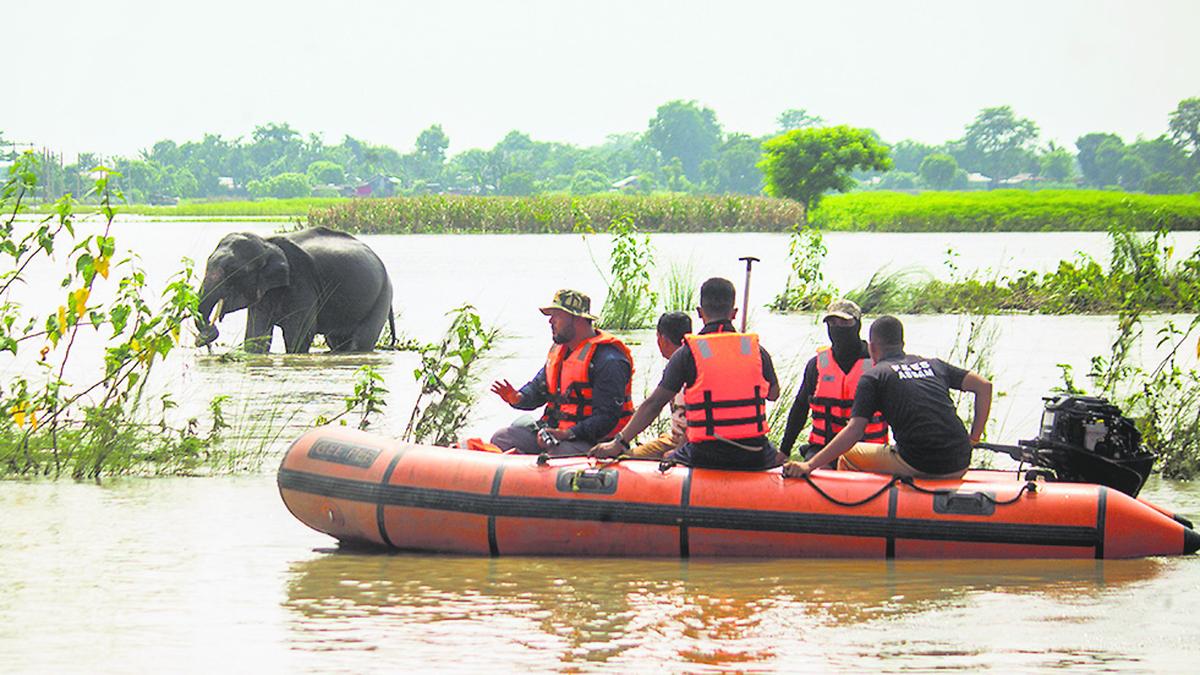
(204, 573)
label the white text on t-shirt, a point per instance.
(912, 371)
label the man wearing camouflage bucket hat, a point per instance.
(830, 378)
(584, 386)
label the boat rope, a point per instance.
(831, 498)
(1029, 486)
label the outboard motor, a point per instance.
(1085, 439)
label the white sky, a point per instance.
(116, 76)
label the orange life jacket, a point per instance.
(729, 397)
(833, 399)
(569, 382)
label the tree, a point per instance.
(685, 131)
(276, 148)
(287, 185)
(1163, 183)
(735, 168)
(516, 184)
(1131, 171)
(1089, 145)
(1107, 161)
(939, 171)
(908, 155)
(898, 180)
(806, 163)
(797, 118)
(1184, 125)
(1057, 164)
(432, 144)
(589, 182)
(1162, 155)
(323, 172)
(998, 143)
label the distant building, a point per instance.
(378, 186)
(1022, 178)
(627, 183)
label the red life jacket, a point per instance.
(569, 382)
(833, 399)
(729, 397)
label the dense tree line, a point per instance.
(684, 148)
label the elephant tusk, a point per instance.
(215, 315)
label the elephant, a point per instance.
(307, 282)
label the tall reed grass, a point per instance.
(1138, 265)
(558, 214)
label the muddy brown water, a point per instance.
(203, 573)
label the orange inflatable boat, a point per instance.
(368, 490)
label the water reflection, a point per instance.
(692, 613)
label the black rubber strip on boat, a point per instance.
(684, 500)
(1101, 508)
(493, 546)
(893, 500)
(750, 520)
(387, 476)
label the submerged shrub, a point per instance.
(630, 302)
(54, 427)
(1140, 270)
(447, 377)
(806, 289)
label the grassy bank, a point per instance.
(282, 209)
(559, 213)
(1007, 211)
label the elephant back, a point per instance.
(343, 270)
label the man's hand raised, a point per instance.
(506, 391)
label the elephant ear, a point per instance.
(275, 271)
(302, 270)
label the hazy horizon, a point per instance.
(576, 72)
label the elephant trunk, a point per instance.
(211, 310)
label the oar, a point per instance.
(750, 260)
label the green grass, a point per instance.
(1006, 211)
(267, 209)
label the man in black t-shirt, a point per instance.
(913, 393)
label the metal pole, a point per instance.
(750, 260)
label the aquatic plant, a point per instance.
(1164, 401)
(55, 427)
(888, 290)
(630, 302)
(805, 289)
(1139, 265)
(447, 378)
(679, 288)
(777, 411)
(370, 397)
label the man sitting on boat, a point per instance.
(585, 385)
(830, 379)
(671, 329)
(914, 394)
(726, 379)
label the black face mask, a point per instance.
(847, 345)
